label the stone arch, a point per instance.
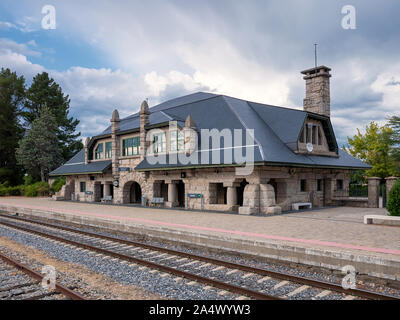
(125, 184)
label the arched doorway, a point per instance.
(132, 192)
(135, 193)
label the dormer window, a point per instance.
(131, 146)
(176, 141)
(311, 133)
(108, 154)
(98, 153)
(159, 143)
(319, 136)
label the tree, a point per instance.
(38, 151)
(12, 96)
(393, 205)
(394, 123)
(45, 91)
(375, 148)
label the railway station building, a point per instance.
(214, 152)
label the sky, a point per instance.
(114, 54)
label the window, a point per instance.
(83, 186)
(314, 134)
(159, 143)
(339, 184)
(176, 141)
(319, 136)
(98, 153)
(131, 146)
(303, 185)
(319, 185)
(307, 133)
(108, 154)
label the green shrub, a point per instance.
(393, 204)
(28, 180)
(57, 184)
(34, 190)
(37, 189)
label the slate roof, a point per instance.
(76, 165)
(276, 132)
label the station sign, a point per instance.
(88, 192)
(121, 169)
(195, 195)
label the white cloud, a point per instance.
(5, 25)
(7, 44)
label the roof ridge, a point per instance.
(243, 124)
(179, 105)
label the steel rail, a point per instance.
(264, 272)
(153, 265)
(36, 275)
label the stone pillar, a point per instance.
(144, 115)
(390, 181)
(251, 199)
(87, 150)
(107, 189)
(373, 192)
(172, 195)
(231, 196)
(115, 152)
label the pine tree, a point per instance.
(45, 91)
(12, 96)
(38, 151)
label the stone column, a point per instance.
(231, 196)
(115, 146)
(107, 189)
(87, 150)
(172, 194)
(390, 181)
(144, 115)
(373, 192)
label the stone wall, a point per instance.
(267, 190)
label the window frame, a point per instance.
(159, 143)
(108, 152)
(177, 139)
(131, 146)
(99, 154)
(82, 183)
(303, 188)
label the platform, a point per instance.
(330, 238)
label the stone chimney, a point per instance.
(144, 114)
(115, 145)
(318, 99)
(87, 150)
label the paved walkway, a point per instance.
(340, 228)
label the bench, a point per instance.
(157, 200)
(382, 220)
(301, 205)
(106, 199)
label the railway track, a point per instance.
(20, 282)
(255, 283)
